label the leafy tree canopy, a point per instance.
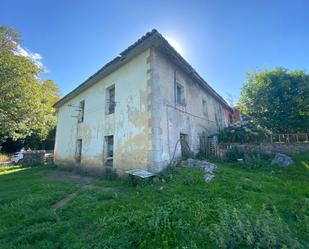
(25, 100)
(277, 100)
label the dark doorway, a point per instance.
(109, 141)
(78, 152)
(185, 149)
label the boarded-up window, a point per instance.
(111, 100)
(81, 111)
(78, 152)
(109, 141)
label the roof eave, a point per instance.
(150, 39)
(138, 47)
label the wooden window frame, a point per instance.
(182, 100)
(110, 105)
(81, 113)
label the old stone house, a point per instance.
(145, 107)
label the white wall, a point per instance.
(175, 119)
(129, 124)
(146, 124)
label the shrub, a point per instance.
(243, 228)
(244, 132)
(251, 159)
(256, 160)
(233, 154)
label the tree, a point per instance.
(9, 39)
(25, 100)
(45, 129)
(277, 100)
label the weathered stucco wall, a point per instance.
(173, 119)
(130, 124)
(147, 121)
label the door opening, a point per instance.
(109, 156)
(78, 151)
(185, 149)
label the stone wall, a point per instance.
(33, 157)
(272, 148)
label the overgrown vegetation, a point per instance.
(248, 159)
(240, 208)
(242, 132)
(244, 228)
(277, 100)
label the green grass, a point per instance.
(240, 208)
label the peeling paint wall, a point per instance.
(173, 119)
(130, 124)
(147, 121)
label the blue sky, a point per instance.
(222, 40)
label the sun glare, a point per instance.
(175, 45)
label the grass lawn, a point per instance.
(240, 208)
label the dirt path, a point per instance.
(86, 182)
(69, 176)
(63, 201)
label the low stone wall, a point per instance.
(272, 148)
(33, 157)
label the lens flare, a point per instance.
(175, 45)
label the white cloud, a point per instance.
(35, 57)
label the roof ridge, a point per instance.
(164, 43)
(140, 40)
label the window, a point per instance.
(109, 141)
(180, 98)
(110, 100)
(205, 108)
(81, 111)
(221, 115)
(78, 152)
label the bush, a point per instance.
(256, 160)
(233, 154)
(251, 159)
(244, 132)
(243, 228)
